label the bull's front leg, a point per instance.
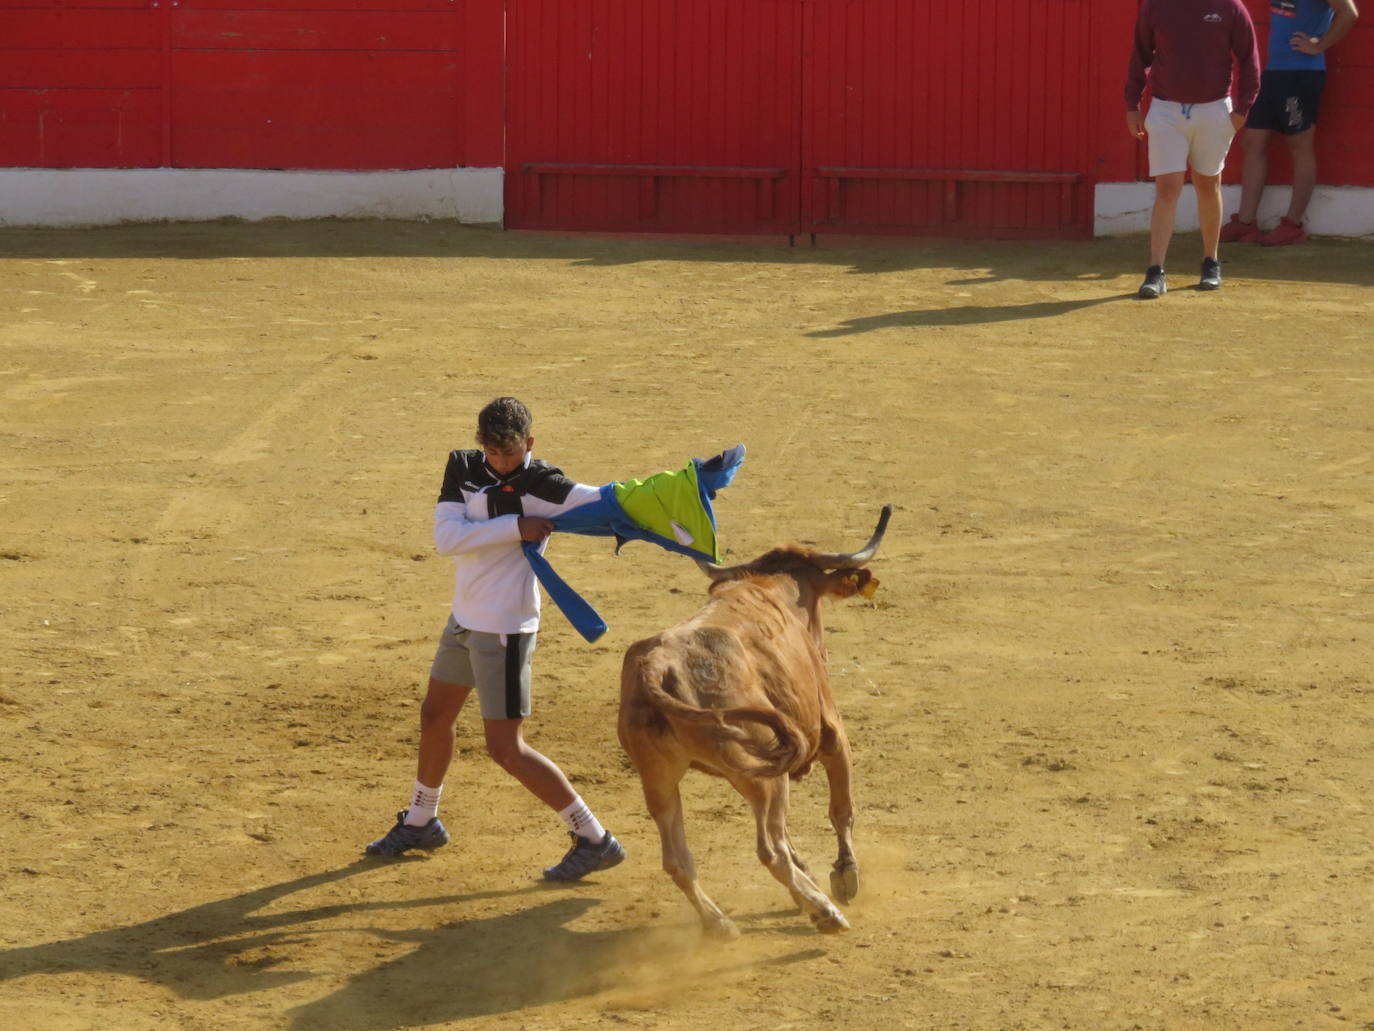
(834, 756)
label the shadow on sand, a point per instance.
(1333, 260)
(963, 315)
(457, 969)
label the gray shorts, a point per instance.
(498, 665)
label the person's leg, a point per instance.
(1208, 190)
(593, 847)
(417, 826)
(438, 730)
(1254, 171)
(1168, 188)
(502, 662)
(1215, 131)
(1302, 148)
(1168, 131)
(540, 776)
(1303, 91)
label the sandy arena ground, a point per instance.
(1111, 707)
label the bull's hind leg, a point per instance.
(797, 859)
(768, 797)
(834, 756)
(665, 806)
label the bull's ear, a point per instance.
(845, 583)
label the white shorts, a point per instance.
(1189, 134)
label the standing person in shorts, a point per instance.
(1185, 49)
(492, 500)
(1300, 34)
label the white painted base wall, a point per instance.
(97, 196)
(1334, 211)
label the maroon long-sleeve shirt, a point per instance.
(1187, 47)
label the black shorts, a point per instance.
(1288, 100)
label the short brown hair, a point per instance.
(504, 423)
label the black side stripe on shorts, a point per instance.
(517, 648)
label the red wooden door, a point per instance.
(791, 116)
(653, 115)
(939, 117)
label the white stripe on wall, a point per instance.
(1334, 211)
(99, 196)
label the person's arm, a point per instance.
(1246, 50)
(1142, 56)
(1344, 15)
(455, 533)
(579, 494)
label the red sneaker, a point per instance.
(1236, 231)
(1283, 234)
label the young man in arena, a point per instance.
(492, 500)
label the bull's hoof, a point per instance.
(844, 883)
(723, 930)
(831, 921)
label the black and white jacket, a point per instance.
(475, 521)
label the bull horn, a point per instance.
(857, 558)
(716, 572)
(850, 561)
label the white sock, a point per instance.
(424, 805)
(581, 821)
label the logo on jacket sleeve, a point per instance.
(1213, 17)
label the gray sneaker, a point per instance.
(1211, 275)
(403, 837)
(1155, 284)
(586, 856)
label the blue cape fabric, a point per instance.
(606, 518)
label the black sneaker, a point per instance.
(1211, 275)
(403, 837)
(586, 856)
(1155, 283)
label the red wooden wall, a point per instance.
(883, 87)
(854, 116)
(81, 84)
(319, 84)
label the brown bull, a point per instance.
(741, 691)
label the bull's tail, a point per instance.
(749, 756)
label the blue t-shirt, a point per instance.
(1310, 17)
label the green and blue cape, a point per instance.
(671, 509)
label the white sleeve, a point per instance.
(455, 533)
(580, 495)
